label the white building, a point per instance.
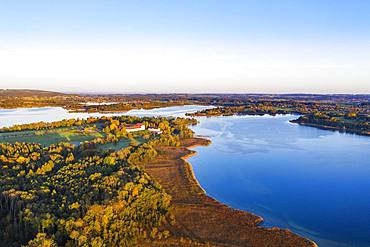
(157, 131)
(139, 127)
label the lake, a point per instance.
(311, 181)
(9, 117)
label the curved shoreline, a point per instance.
(331, 128)
(260, 219)
(200, 219)
(193, 152)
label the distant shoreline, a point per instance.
(331, 128)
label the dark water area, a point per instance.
(314, 182)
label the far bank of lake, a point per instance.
(314, 182)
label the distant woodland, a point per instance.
(346, 113)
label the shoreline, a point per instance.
(202, 220)
(331, 128)
(259, 224)
(295, 121)
(190, 167)
(193, 153)
(260, 219)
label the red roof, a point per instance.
(134, 126)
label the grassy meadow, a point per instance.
(47, 137)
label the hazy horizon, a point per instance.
(310, 46)
(179, 93)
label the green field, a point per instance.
(46, 138)
(73, 135)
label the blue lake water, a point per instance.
(311, 181)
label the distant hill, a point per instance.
(27, 93)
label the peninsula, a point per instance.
(94, 183)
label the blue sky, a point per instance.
(186, 46)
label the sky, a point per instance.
(186, 46)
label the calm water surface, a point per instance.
(314, 182)
(9, 117)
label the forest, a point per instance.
(86, 194)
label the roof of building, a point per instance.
(134, 126)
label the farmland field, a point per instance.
(47, 137)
